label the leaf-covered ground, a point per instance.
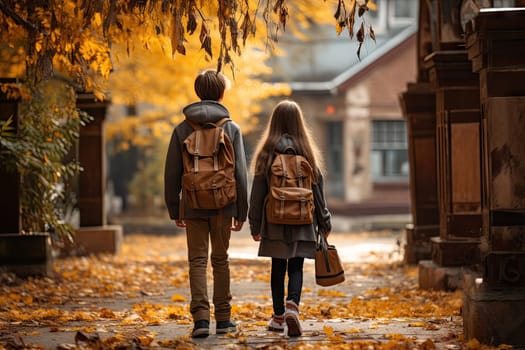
(139, 299)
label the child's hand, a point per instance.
(180, 223)
(237, 225)
(256, 237)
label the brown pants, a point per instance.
(199, 232)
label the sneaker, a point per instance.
(201, 329)
(224, 327)
(276, 323)
(291, 317)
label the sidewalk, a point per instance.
(366, 309)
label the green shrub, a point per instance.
(43, 151)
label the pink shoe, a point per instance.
(291, 317)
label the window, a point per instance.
(402, 12)
(504, 3)
(389, 154)
(334, 158)
(392, 14)
(404, 9)
(377, 18)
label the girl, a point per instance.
(287, 245)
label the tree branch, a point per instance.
(9, 12)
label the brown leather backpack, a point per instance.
(208, 180)
(290, 199)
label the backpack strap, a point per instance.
(217, 125)
(304, 210)
(216, 150)
(222, 121)
(299, 171)
(197, 129)
(197, 150)
(285, 170)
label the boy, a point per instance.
(207, 225)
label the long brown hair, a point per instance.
(286, 118)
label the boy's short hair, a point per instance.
(210, 85)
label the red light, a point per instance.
(330, 110)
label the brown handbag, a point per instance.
(328, 268)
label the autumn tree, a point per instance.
(71, 46)
(155, 87)
(152, 76)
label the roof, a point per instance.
(323, 64)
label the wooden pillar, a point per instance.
(9, 180)
(458, 170)
(494, 301)
(92, 181)
(94, 235)
(418, 105)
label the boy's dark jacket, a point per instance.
(200, 113)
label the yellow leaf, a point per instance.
(427, 345)
(354, 330)
(177, 297)
(88, 329)
(145, 339)
(99, 95)
(396, 336)
(331, 293)
(328, 330)
(15, 297)
(107, 313)
(97, 21)
(132, 319)
(338, 28)
(336, 339)
(473, 344)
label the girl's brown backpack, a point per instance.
(290, 199)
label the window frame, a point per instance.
(386, 147)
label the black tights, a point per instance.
(295, 282)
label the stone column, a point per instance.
(494, 300)
(458, 170)
(94, 235)
(418, 103)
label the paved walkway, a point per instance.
(342, 323)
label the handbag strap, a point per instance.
(323, 246)
(322, 241)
